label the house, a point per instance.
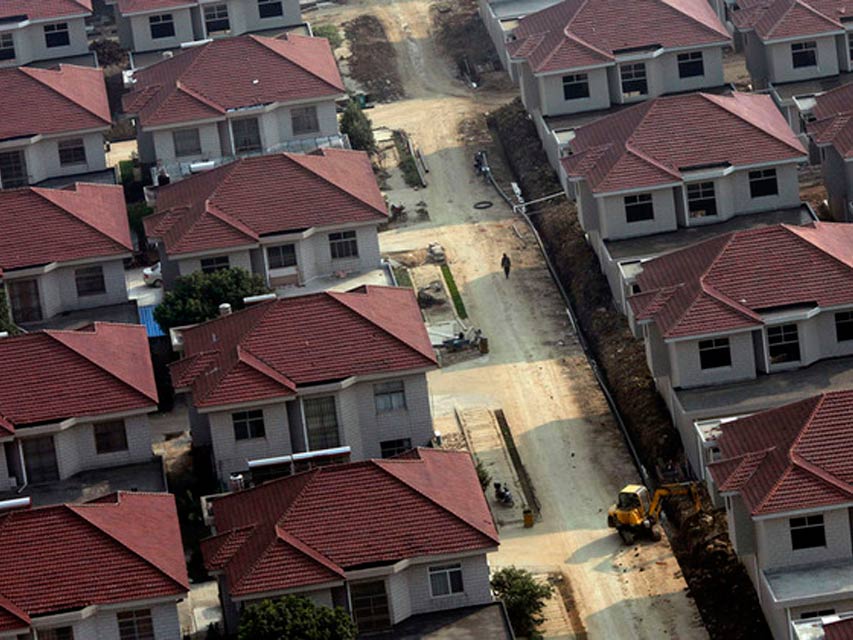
(289, 217)
(63, 250)
(323, 376)
(384, 539)
(101, 570)
(648, 178)
(787, 479)
(202, 105)
(831, 131)
(746, 321)
(154, 25)
(36, 30)
(71, 401)
(60, 133)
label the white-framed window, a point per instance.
(691, 65)
(304, 120)
(783, 343)
(248, 424)
(446, 580)
(715, 353)
(321, 423)
(639, 208)
(216, 18)
(58, 633)
(270, 8)
(763, 183)
(72, 151)
(247, 135)
(634, 80)
(110, 437)
(56, 35)
(162, 26)
(576, 86)
(209, 265)
(389, 396)
(804, 54)
(13, 169)
(807, 532)
(90, 281)
(187, 142)
(701, 199)
(343, 244)
(283, 255)
(844, 326)
(7, 46)
(391, 448)
(135, 625)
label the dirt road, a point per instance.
(535, 371)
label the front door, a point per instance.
(24, 298)
(370, 606)
(13, 170)
(40, 460)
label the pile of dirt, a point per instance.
(717, 580)
(373, 60)
(460, 32)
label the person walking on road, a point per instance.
(506, 265)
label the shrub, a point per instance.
(523, 597)
(331, 33)
(358, 127)
(295, 618)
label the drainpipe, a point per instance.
(23, 466)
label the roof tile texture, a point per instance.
(41, 9)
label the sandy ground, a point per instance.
(536, 372)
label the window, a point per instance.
(690, 65)
(281, 256)
(209, 265)
(270, 8)
(445, 580)
(321, 422)
(576, 86)
(56, 35)
(216, 18)
(135, 625)
(715, 353)
(304, 120)
(763, 183)
(701, 201)
(822, 613)
(804, 54)
(389, 396)
(162, 26)
(639, 208)
(187, 142)
(844, 326)
(7, 46)
(24, 299)
(784, 343)
(13, 170)
(391, 448)
(343, 245)
(110, 437)
(72, 151)
(60, 633)
(90, 281)
(247, 135)
(634, 80)
(807, 532)
(248, 424)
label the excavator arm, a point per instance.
(679, 489)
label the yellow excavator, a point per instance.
(636, 514)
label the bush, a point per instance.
(483, 475)
(196, 297)
(109, 53)
(358, 127)
(523, 597)
(295, 618)
(136, 212)
(453, 290)
(331, 33)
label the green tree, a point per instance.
(295, 618)
(196, 297)
(331, 33)
(523, 597)
(358, 127)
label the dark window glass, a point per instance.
(576, 86)
(304, 120)
(804, 54)
(715, 353)
(391, 448)
(701, 200)
(389, 396)
(639, 208)
(270, 8)
(844, 326)
(56, 35)
(7, 46)
(446, 580)
(248, 424)
(110, 437)
(24, 299)
(187, 142)
(343, 245)
(90, 281)
(216, 18)
(763, 183)
(13, 170)
(821, 613)
(72, 151)
(209, 265)
(247, 135)
(162, 26)
(634, 79)
(281, 256)
(807, 532)
(135, 625)
(783, 343)
(60, 633)
(690, 65)
(321, 422)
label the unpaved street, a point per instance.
(535, 372)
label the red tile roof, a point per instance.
(839, 630)
(53, 375)
(121, 548)
(777, 19)
(790, 458)
(127, 7)
(41, 226)
(269, 349)
(237, 203)
(833, 123)
(651, 143)
(59, 100)
(309, 528)
(582, 33)
(43, 9)
(209, 80)
(12, 617)
(724, 283)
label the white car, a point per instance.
(151, 276)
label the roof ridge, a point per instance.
(227, 218)
(718, 295)
(42, 193)
(306, 549)
(29, 71)
(250, 359)
(260, 40)
(179, 84)
(691, 17)
(639, 153)
(814, 225)
(721, 103)
(807, 7)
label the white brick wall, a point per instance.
(30, 43)
(140, 31)
(773, 541)
(104, 624)
(475, 579)
(240, 259)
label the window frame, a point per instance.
(391, 448)
(446, 571)
(266, 10)
(688, 63)
(343, 245)
(818, 613)
(212, 15)
(110, 437)
(759, 181)
(781, 341)
(327, 434)
(308, 113)
(641, 202)
(248, 425)
(95, 282)
(57, 633)
(214, 264)
(807, 49)
(280, 257)
(22, 177)
(391, 395)
(843, 323)
(137, 624)
(245, 147)
(182, 150)
(702, 197)
(161, 22)
(7, 45)
(57, 31)
(72, 151)
(712, 348)
(810, 523)
(575, 80)
(632, 74)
